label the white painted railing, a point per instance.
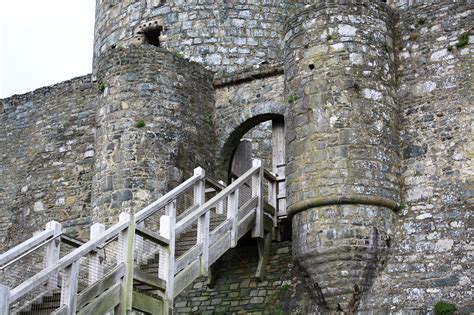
(240, 207)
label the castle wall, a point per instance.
(342, 146)
(222, 35)
(174, 99)
(432, 249)
(46, 158)
(237, 291)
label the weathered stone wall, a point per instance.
(237, 291)
(342, 145)
(174, 99)
(432, 247)
(223, 35)
(46, 159)
(357, 146)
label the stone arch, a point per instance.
(237, 127)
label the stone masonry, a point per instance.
(376, 100)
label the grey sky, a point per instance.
(43, 42)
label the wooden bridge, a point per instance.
(146, 259)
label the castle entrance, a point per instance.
(263, 140)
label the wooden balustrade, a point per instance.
(175, 273)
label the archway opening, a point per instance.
(262, 137)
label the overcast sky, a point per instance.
(43, 42)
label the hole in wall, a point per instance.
(311, 67)
(152, 36)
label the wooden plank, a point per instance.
(279, 162)
(69, 286)
(126, 242)
(247, 206)
(218, 249)
(232, 213)
(96, 269)
(203, 221)
(269, 176)
(187, 276)
(111, 278)
(60, 311)
(146, 304)
(166, 199)
(75, 242)
(218, 186)
(188, 257)
(257, 190)
(246, 223)
(71, 241)
(103, 303)
(151, 236)
(51, 252)
(25, 246)
(167, 258)
(218, 232)
(148, 279)
(4, 299)
(33, 282)
(242, 158)
(213, 202)
(264, 254)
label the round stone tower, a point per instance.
(342, 145)
(222, 35)
(154, 126)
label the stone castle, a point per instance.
(364, 107)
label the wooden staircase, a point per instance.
(146, 259)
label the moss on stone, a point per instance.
(463, 40)
(444, 308)
(101, 86)
(140, 123)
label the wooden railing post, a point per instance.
(4, 300)
(220, 205)
(69, 287)
(203, 221)
(51, 253)
(96, 269)
(279, 163)
(167, 261)
(232, 213)
(126, 252)
(140, 254)
(257, 190)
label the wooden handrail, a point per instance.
(193, 216)
(25, 247)
(67, 260)
(196, 261)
